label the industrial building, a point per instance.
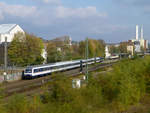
(140, 43)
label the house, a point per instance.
(130, 48)
(9, 30)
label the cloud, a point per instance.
(52, 1)
(17, 10)
(56, 20)
(1, 16)
(136, 3)
(141, 6)
(63, 12)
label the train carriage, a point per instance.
(34, 71)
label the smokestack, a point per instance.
(142, 37)
(137, 32)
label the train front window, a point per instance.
(28, 71)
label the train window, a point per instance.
(46, 68)
(41, 69)
(28, 71)
(36, 70)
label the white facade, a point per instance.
(9, 30)
(137, 32)
(44, 55)
(130, 48)
(107, 54)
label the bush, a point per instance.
(114, 91)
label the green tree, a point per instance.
(53, 54)
(25, 49)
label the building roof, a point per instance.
(6, 28)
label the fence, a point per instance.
(11, 77)
(13, 73)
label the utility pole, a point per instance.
(87, 54)
(5, 60)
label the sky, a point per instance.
(110, 20)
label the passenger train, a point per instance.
(40, 70)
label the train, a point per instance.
(41, 70)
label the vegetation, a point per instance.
(25, 49)
(122, 48)
(127, 85)
(56, 54)
(1, 54)
(76, 51)
(96, 48)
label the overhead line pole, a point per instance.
(87, 55)
(5, 60)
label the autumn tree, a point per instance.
(96, 48)
(25, 49)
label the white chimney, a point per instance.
(142, 32)
(137, 32)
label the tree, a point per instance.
(1, 54)
(58, 53)
(53, 54)
(96, 48)
(113, 49)
(25, 49)
(82, 49)
(123, 48)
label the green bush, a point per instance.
(109, 92)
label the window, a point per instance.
(28, 71)
(36, 70)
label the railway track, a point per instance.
(32, 86)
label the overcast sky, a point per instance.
(110, 20)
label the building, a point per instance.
(107, 54)
(130, 49)
(140, 42)
(9, 30)
(137, 47)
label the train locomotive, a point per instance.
(41, 70)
